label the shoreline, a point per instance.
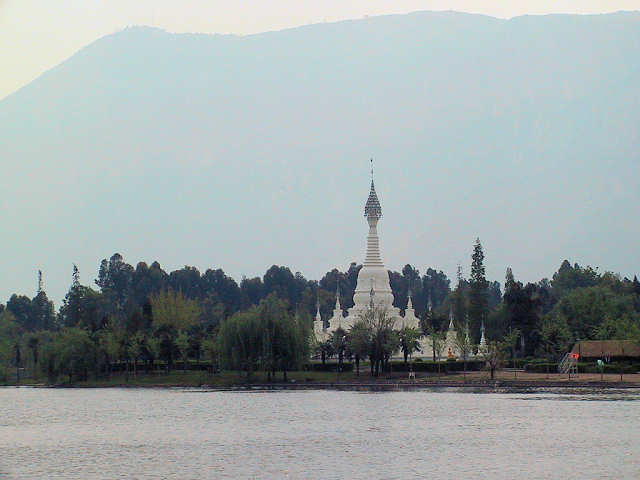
(499, 386)
(305, 380)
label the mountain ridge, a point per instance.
(195, 148)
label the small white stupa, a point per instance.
(336, 320)
(482, 347)
(450, 348)
(410, 320)
(318, 325)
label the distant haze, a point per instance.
(242, 152)
(39, 34)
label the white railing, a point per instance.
(568, 364)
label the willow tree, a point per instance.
(240, 341)
(266, 336)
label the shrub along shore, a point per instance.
(319, 375)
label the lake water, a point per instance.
(186, 434)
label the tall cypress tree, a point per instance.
(478, 298)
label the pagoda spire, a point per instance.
(338, 307)
(372, 208)
(451, 326)
(373, 213)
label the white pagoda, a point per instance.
(373, 278)
(373, 289)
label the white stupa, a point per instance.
(410, 320)
(373, 275)
(373, 290)
(482, 347)
(450, 340)
(318, 325)
(337, 319)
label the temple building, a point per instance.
(373, 289)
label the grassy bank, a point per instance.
(190, 378)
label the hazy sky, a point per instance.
(36, 35)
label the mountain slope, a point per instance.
(241, 152)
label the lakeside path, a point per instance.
(472, 381)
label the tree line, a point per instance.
(138, 317)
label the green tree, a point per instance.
(510, 341)
(172, 313)
(360, 339)
(284, 338)
(137, 349)
(20, 308)
(436, 286)
(210, 346)
(115, 278)
(42, 312)
(568, 278)
(83, 306)
(182, 342)
(585, 309)
(33, 343)
(555, 338)
(173, 309)
(108, 345)
(409, 341)
(240, 341)
(9, 334)
(438, 340)
(152, 345)
(325, 350)
(70, 354)
(339, 343)
(384, 338)
(478, 294)
(620, 329)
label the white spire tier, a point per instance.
(373, 274)
(373, 213)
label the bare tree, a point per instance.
(494, 354)
(465, 347)
(437, 344)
